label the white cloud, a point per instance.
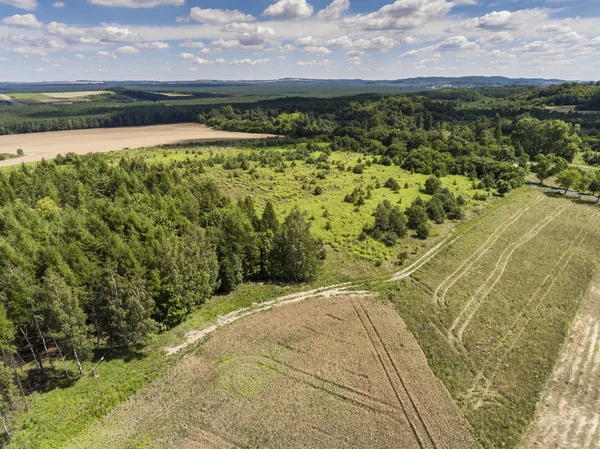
(114, 34)
(504, 20)
(30, 5)
(39, 70)
(289, 9)
(127, 50)
(59, 4)
(555, 28)
(401, 15)
(192, 44)
(155, 45)
(136, 3)
(334, 10)
(186, 56)
(72, 35)
(258, 35)
(219, 15)
(324, 62)
(101, 55)
(79, 56)
(250, 62)
(316, 51)
(566, 38)
(380, 43)
(28, 21)
(309, 41)
(27, 52)
(454, 44)
(503, 37)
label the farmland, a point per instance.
(494, 308)
(328, 368)
(48, 145)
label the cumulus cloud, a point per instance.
(504, 20)
(27, 52)
(454, 44)
(503, 37)
(114, 34)
(380, 43)
(402, 15)
(201, 61)
(334, 10)
(192, 44)
(59, 4)
(250, 62)
(101, 55)
(186, 56)
(28, 21)
(258, 35)
(155, 45)
(72, 35)
(39, 70)
(289, 9)
(136, 3)
(79, 56)
(555, 28)
(219, 15)
(309, 41)
(127, 50)
(29, 5)
(316, 51)
(324, 62)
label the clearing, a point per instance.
(48, 145)
(63, 95)
(569, 417)
(339, 372)
(494, 308)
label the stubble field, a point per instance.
(340, 372)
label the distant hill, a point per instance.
(399, 85)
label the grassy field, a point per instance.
(313, 374)
(27, 96)
(493, 309)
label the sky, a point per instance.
(47, 40)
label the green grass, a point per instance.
(514, 335)
(27, 96)
(68, 409)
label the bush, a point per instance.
(432, 185)
(318, 190)
(358, 169)
(391, 183)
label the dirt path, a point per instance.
(457, 329)
(48, 145)
(325, 292)
(569, 415)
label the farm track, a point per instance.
(511, 338)
(402, 393)
(461, 322)
(327, 291)
(442, 289)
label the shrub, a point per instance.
(432, 185)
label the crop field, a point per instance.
(63, 95)
(569, 417)
(493, 309)
(48, 145)
(337, 372)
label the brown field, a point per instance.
(49, 144)
(88, 93)
(336, 372)
(569, 417)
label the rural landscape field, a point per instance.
(299, 224)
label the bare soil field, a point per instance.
(336, 372)
(569, 417)
(63, 95)
(493, 309)
(48, 145)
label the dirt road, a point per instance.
(49, 144)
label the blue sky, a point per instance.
(48, 40)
